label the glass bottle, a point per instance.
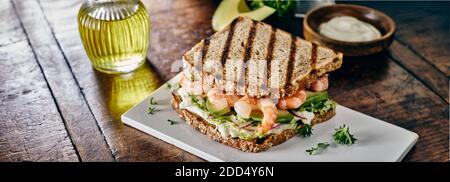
(115, 34)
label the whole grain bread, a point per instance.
(254, 145)
(252, 57)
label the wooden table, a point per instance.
(55, 107)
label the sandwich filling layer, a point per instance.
(251, 118)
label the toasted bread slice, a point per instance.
(254, 145)
(255, 59)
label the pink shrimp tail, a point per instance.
(320, 84)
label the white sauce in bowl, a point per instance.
(349, 29)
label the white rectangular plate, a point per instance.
(377, 140)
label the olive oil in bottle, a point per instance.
(115, 34)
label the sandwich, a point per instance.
(251, 86)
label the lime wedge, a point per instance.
(259, 14)
(228, 10)
(242, 6)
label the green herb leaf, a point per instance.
(319, 147)
(305, 130)
(171, 122)
(343, 136)
(153, 101)
(282, 6)
(172, 86)
(151, 110)
(318, 103)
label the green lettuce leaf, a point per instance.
(318, 102)
(199, 102)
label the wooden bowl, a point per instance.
(379, 20)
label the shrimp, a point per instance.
(292, 102)
(270, 113)
(221, 100)
(320, 84)
(246, 105)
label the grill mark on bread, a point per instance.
(226, 48)
(290, 66)
(335, 59)
(248, 51)
(204, 52)
(269, 56)
(313, 56)
(205, 48)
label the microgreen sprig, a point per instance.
(305, 130)
(343, 136)
(171, 122)
(319, 147)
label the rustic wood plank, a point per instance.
(425, 72)
(378, 86)
(127, 144)
(9, 28)
(80, 122)
(169, 41)
(428, 35)
(31, 128)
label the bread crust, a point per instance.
(208, 129)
